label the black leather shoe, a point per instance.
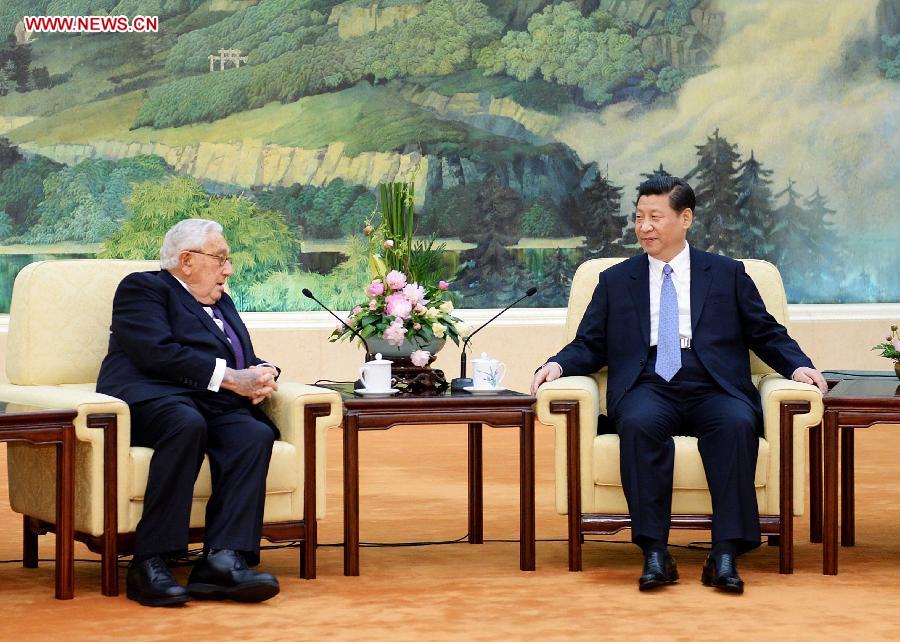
(150, 583)
(224, 575)
(659, 569)
(721, 572)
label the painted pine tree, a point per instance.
(601, 220)
(716, 185)
(755, 218)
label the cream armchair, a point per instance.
(58, 336)
(588, 482)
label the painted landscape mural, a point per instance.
(525, 125)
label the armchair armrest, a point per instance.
(286, 408)
(775, 389)
(586, 393)
(86, 402)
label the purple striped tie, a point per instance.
(236, 348)
(668, 344)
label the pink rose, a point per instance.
(443, 285)
(376, 288)
(417, 326)
(373, 304)
(357, 310)
(395, 280)
(896, 344)
(388, 244)
(397, 305)
(420, 358)
(418, 307)
(395, 333)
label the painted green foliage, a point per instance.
(408, 48)
(261, 241)
(565, 47)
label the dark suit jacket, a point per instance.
(163, 342)
(728, 318)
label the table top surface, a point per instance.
(881, 389)
(19, 414)
(352, 399)
(838, 375)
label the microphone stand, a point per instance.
(463, 381)
(306, 292)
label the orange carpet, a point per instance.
(413, 488)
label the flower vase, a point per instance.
(404, 350)
(405, 375)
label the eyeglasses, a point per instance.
(221, 259)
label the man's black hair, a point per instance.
(681, 196)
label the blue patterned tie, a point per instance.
(668, 344)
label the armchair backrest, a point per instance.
(59, 319)
(764, 275)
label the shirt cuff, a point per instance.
(218, 374)
(544, 365)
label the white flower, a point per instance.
(432, 313)
(438, 329)
(420, 358)
(446, 307)
(414, 293)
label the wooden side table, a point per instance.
(501, 409)
(50, 427)
(851, 404)
(833, 377)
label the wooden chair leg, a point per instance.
(774, 540)
(575, 540)
(29, 544)
(109, 567)
(786, 556)
(308, 554)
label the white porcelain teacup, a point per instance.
(487, 373)
(376, 374)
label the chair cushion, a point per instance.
(689, 472)
(68, 345)
(283, 474)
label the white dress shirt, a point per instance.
(681, 277)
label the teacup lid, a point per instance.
(379, 361)
(484, 357)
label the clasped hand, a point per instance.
(256, 382)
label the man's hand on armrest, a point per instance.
(256, 382)
(547, 372)
(810, 375)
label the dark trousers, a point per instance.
(691, 404)
(181, 429)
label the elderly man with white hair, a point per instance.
(182, 359)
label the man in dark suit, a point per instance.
(675, 326)
(181, 358)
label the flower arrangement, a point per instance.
(407, 301)
(890, 347)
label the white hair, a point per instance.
(189, 234)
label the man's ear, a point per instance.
(687, 217)
(186, 261)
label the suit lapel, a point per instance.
(701, 278)
(194, 306)
(640, 294)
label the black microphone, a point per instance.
(310, 295)
(462, 381)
